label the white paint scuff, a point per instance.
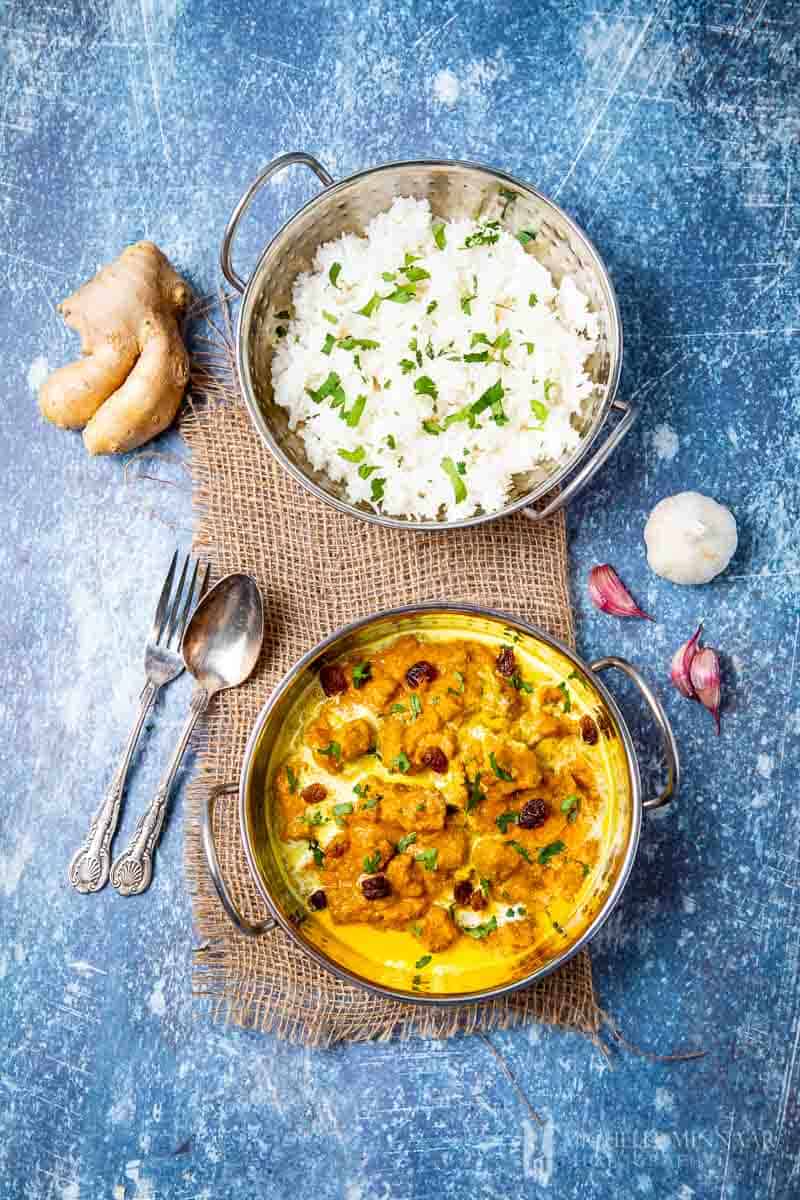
(446, 88)
(13, 864)
(665, 442)
(765, 764)
(37, 373)
(157, 1002)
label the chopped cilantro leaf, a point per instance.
(330, 317)
(425, 386)
(550, 851)
(362, 672)
(402, 763)
(459, 487)
(423, 962)
(372, 862)
(342, 810)
(353, 456)
(439, 236)
(370, 306)
(334, 273)
(499, 771)
(332, 750)
(352, 416)
(428, 858)
(416, 705)
(332, 387)
(317, 851)
(521, 851)
(480, 931)
(524, 236)
(330, 342)
(533, 299)
(539, 410)
(405, 842)
(377, 490)
(562, 687)
(505, 819)
(474, 791)
(292, 779)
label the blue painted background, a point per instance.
(670, 131)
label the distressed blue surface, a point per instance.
(670, 131)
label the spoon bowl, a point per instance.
(223, 639)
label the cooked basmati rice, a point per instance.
(428, 363)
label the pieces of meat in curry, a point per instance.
(443, 788)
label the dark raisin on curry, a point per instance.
(333, 679)
(421, 672)
(318, 900)
(589, 731)
(506, 662)
(376, 887)
(315, 793)
(436, 759)
(478, 901)
(462, 892)
(533, 813)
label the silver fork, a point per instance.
(89, 867)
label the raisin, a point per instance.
(333, 680)
(506, 663)
(318, 900)
(478, 901)
(462, 892)
(589, 731)
(337, 846)
(436, 759)
(421, 672)
(315, 793)
(533, 814)
(376, 887)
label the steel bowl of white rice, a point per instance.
(430, 345)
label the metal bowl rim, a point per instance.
(256, 415)
(448, 999)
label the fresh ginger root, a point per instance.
(129, 384)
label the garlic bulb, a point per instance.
(690, 538)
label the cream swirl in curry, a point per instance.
(447, 798)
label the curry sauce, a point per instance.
(445, 806)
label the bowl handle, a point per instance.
(579, 480)
(661, 720)
(248, 928)
(272, 168)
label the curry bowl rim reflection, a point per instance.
(328, 962)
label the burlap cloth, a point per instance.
(318, 569)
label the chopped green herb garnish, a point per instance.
(423, 962)
(407, 365)
(332, 750)
(371, 803)
(405, 842)
(330, 317)
(425, 386)
(318, 852)
(416, 705)
(485, 235)
(478, 356)
(352, 456)
(353, 416)
(315, 819)
(459, 487)
(361, 789)
(378, 486)
(524, 236)
(365, 471)
(529, 346)
(499, 771)
(372, 862)
(474, 791)
(334, 273)
(533, 299)
(390, 441)
(428, 858)
(330, 342)
(432, 307)
(362, 672)
(354, 343)
(439, 235)
(521, 851)
(370, 306)
(389, 276)
(415, 274)
(480, 931)
(492, 398)
(402, 763)
(571, 806)
(342, 810)
(402, 295)
(505, 819)
(562, 687)
(519, 683)
(332, 387)
(292, 779)
(484, 886)
(539, 410)
(432, 427)
(550, 851)
(398, 708)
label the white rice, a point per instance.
(398, 467)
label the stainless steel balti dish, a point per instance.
(352, 956)
(454, 190)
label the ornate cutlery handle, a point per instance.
(88, 868)
(133, 870)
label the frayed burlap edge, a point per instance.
(243, 503)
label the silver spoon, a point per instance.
(220, 647)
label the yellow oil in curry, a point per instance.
(478, 779)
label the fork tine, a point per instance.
(188, 606)
(163, 601)
(176, 604)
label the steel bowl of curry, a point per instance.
(441, 803)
